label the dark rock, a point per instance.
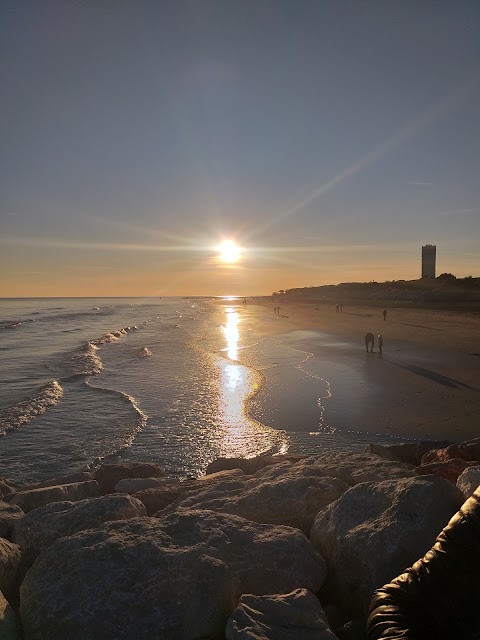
(469, 451)
(279, 617)
(448, 469)
(408, 452)
(109, 474)
(249, 465)
(9, 514)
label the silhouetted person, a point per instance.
(341, 308)
(380, 343)
(384, 314)
(369, 340)
(337, 308)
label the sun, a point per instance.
(228, 251)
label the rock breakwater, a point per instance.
(289, 542)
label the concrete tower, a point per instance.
(429, 259)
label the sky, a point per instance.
(329, 139)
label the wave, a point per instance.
(128, 441)
(85, 361)
(26, 410)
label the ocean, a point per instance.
(175, 381)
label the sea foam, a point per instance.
(26, 410)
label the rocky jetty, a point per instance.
(271, 547)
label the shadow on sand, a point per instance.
(419, 326)
(434, 376)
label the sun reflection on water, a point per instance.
(238, 435)
(232, 333)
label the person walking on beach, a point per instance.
(341, 307)
(337, 308)
(384, 314)
(369, 340)
(380, 343)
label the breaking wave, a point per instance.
(26, 410)
(86, 361)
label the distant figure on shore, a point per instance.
(337, 308)
(369, 340)
(341, 307)
(384, 314)
(275, 310)
(380, 343)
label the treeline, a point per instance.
(445, 288)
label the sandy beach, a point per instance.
(425, 385)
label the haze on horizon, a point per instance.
(329, 140)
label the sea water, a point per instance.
(175, 381)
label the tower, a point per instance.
(429, 259)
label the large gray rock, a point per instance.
(279, 617)
(468, 481)
(132, 485)
(9, 514)
(41, 527)
(174, 577)
(9, 627)
(293, 499)
(376, 530)
(33, 498)
(109, 474)
(9, 560)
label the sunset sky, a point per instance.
(329, 139)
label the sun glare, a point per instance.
(228, 251)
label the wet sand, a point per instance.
(426, 385)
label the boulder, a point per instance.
(468, 481)
(9, 560)
(173, 577)
(9, 514)
(376, 529)
(78, 476)
(354, 468)
(448, 469)
(41, 527)
(282, 617)
(156, 500)
(30, 499)
(469, 451)
(294, 499)
(132, 485)
(409, 452)
(9, 626)
(248, 465)
(109, 474)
